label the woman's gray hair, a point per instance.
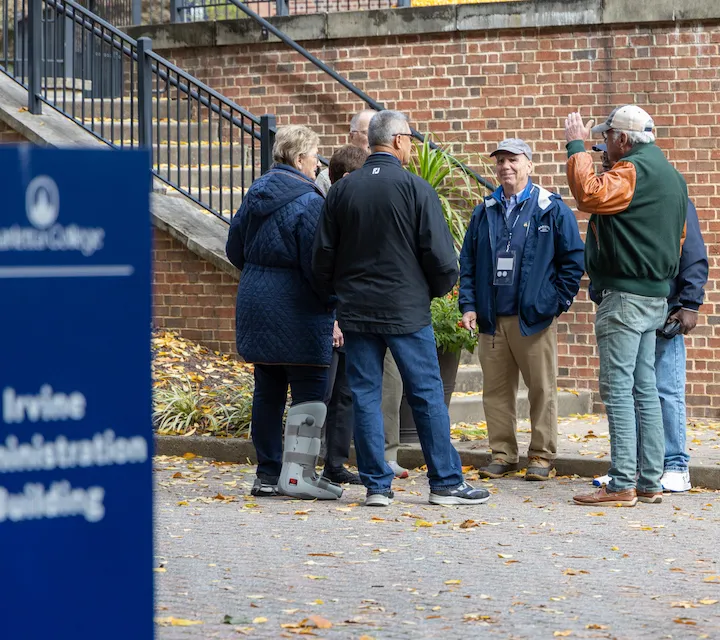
(292, 141)
(637, 137)
(384, 125)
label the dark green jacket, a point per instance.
(638, 218)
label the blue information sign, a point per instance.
(75, 394)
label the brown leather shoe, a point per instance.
(627, 498)
(539, 469)
(651, 497)
(498, 468)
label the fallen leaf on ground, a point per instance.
(596, 626)
(453, 581)
(706, 601)
(467, 524)
(176, 622)
(685, 621)
(309, 577)
(423, 523)
(159, 569)
(319, 622)
(182, 503)
(259, 620)
(711, 579)
(189, 456)
(178, 475)
(562, 634)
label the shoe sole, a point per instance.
(653, 500)
(403, 475)
(495, 476)
(384, 503)
(450, 500)
(608, 503)
(537, 477)
(676, 490)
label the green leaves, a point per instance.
(457, 189)
(450, 336)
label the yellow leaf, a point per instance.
(309, 577)
(259, 620)
(707, 601)
(596, 626)
(423, 523)
(178, 475)
(614, 548)
(319, 622)
(189, 456)
(711, 579)
(250, 505)
(182, 503)
(596, 513)
(504, 555)
(159, 569)
(453, 581)
(176, 622)
(562, 634)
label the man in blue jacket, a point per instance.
(686, 295)
(520, 268)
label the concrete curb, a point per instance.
(241, 450)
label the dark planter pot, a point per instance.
(449, 363)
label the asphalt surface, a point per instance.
(528, 564)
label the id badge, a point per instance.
(505, 269)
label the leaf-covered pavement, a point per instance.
(529, 564)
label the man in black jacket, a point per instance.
(383, 247)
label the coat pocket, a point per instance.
(544, 305)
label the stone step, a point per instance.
(200, 154)
(218, 176)
(470, 408)
(470, 378)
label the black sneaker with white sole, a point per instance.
(462, 494)
(379, 499)
(265, 486)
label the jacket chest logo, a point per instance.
(544, 228)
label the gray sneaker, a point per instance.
(462, 494)
(498, 468)
(379, 499)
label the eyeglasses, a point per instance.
(409, 135)
(363, 132)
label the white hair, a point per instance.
(358, 116)
(384, 126)
(637, 137)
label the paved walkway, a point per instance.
(529, 564)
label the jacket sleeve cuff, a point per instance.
(464, 308)
(690, 306)
(575, 146)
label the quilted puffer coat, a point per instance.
(280, 318)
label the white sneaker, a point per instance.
(601, 481)
(676, 481)
(379, 499)
(400, 472)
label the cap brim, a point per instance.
(516, 152)
(601, 128)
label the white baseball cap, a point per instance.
(627, 118)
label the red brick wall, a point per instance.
(192, 296)
(471, 89)
(9, 136)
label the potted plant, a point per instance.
(458, 192)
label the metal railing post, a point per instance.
(68, 21)
(136, 12)
(35, 54)
(175, 6)
(268, 126)
(282, 7)
(144, 76)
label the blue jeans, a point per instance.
(625, 326)
(307, 384)
(670, 373)
(416, 358)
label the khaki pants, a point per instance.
(501, 357)
(392, 390)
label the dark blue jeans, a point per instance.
(416, 358)
(307, 384)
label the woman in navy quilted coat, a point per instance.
(283, 326)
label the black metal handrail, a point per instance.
(373, 104)
(204, 145)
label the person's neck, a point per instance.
(509, 192)
(381, 148)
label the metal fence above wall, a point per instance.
(205, 146)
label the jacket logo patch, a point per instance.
(543, 228)
(375, 171)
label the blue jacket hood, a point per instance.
(279, 186)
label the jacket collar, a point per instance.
(525, 194)
(384, 158)
(295, 174)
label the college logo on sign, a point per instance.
(42, 206)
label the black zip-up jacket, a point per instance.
(383, 247)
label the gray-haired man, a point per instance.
(384, 248)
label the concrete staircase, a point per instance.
(469, 408)
(195, 155)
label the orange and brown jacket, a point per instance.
(638, 219)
